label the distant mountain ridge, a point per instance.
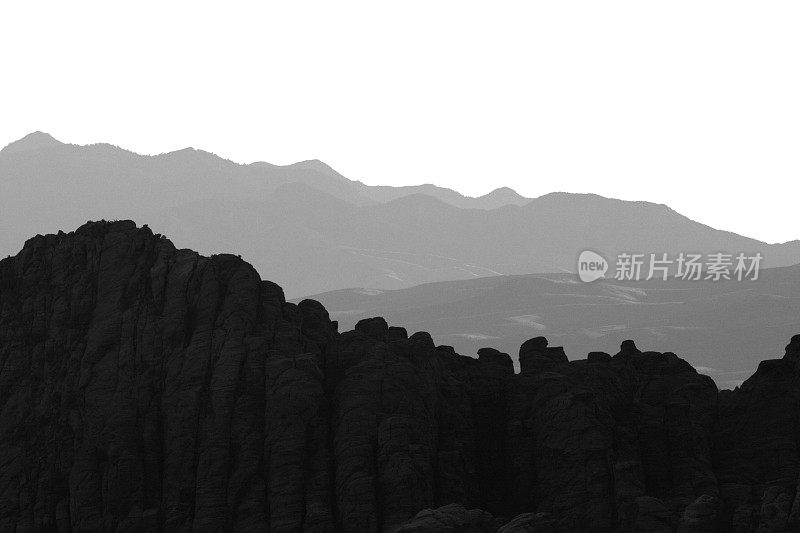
(32, 141)
(492, 200)
(722, 328)
(353, 191)
(314, 230)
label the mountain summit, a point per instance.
(502, 196)
(32, 141)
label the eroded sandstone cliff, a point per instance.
(148, 388)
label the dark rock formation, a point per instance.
(758, 459)
(535, 355)
(148, 388)
(452, 518)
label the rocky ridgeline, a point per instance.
(148, 388)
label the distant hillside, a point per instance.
(314, 230)
(311, 242)
(722, 328)
(497, 198)
(47, 184)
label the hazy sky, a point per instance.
(694, 104)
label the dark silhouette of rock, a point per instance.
(148, 388)
(373, 327)
(397, 333)
(599, 357)
(713, 325)
(452, 518)
(627, 348)
(530, 523)
(756, 445)
(793, 349)
(490, 355)
(535, 355)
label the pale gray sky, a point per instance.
(689, 103)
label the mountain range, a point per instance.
(146, 388)
(313, 230)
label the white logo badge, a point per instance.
(591, 266)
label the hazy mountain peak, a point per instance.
(317, 166)
(188, 151)
(502, 190)
(195, 156)
(591, 199)
(504, 194)
(32, 141)
(563, 195)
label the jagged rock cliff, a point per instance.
(148, 388)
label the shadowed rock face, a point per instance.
(148, 388)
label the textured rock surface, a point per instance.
(452, 518)
(148, 388)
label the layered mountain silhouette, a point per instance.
(497, 198)
(146, 388)
(313, 230)
(724, 328)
